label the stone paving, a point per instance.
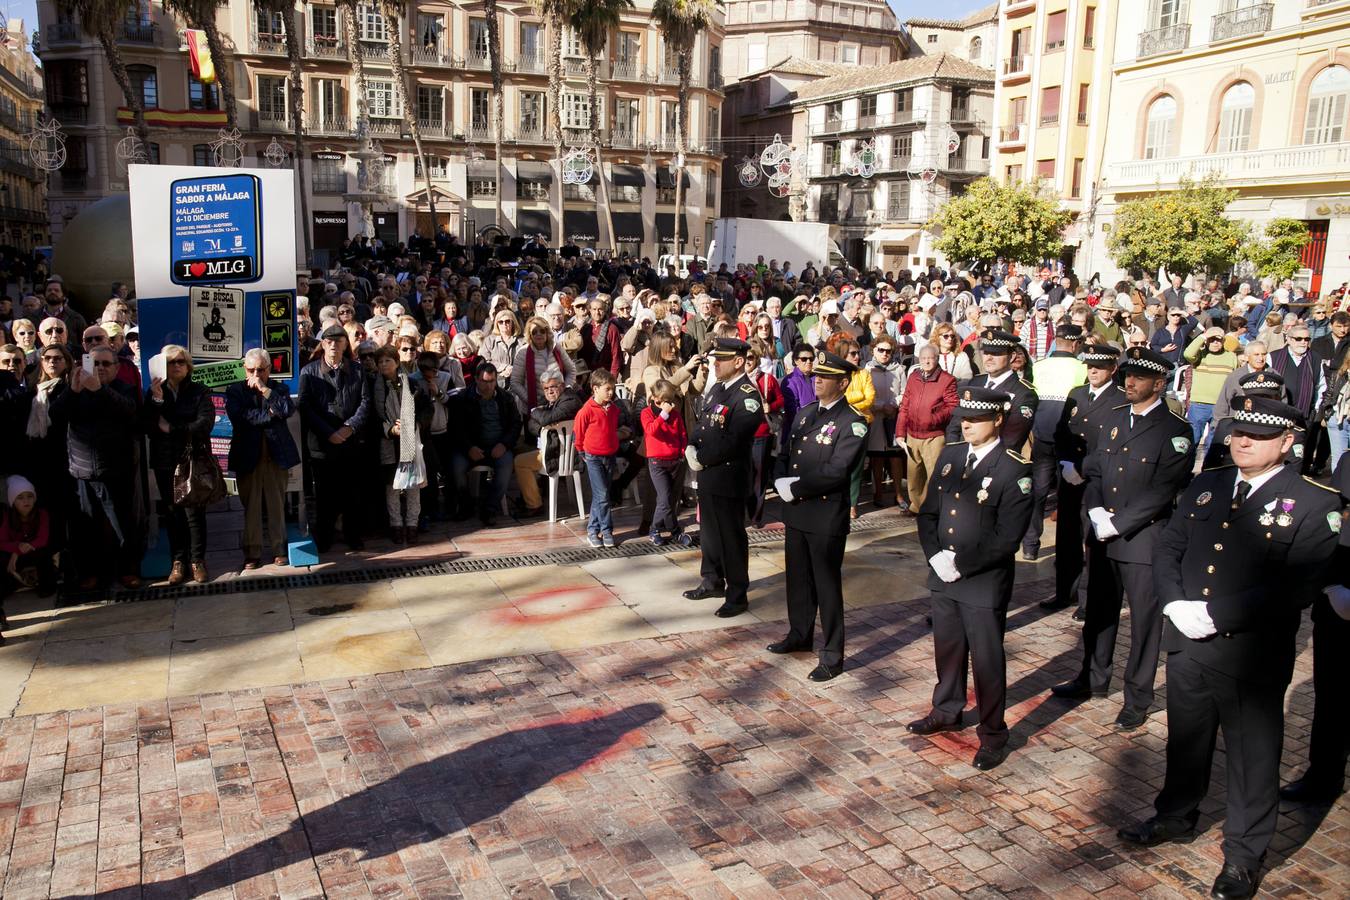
(668, 763)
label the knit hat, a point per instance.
(18, 485)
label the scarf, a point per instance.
(1301, 382)
(532, 375)
(407, 416)
(39, 416)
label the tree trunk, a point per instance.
(681, 146)
(495, 60)
(410, 112)
(592, 76)
(222, 64)
(555, 26)
(298, 130)
(123, 78)
(358, 60)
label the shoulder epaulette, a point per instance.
(1026, 383)
(1178, 415)
(955, 443)
(1320, 485)
(1019, 457)
(1122, 406)
(749, 389)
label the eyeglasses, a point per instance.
(255, 370)
(96, 339)
(1293, 338)
(176, 362)
(53, 331)
(881, 350)
(407, 349)
(105, 364)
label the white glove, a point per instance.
(1339, 595)
(1191, 618)
(944, 565)
(691, 457)
(1101, 523)
(1069, 473)
(784, 488)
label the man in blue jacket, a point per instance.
(261, 452)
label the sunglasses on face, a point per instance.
(95, 340)
(1292, 338)
(104, 364)
(176, 362)
(53, 331)
(806, 359)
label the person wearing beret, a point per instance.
(1143, 459)
(1246, 550)
(970, 525)
(1265, 383)
(1055, 376)
(814, 474)
(1076, 435)
(719, 451)
(996, 347)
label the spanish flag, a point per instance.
(199, 53)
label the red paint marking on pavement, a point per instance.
(517, 613)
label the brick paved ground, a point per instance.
(686, 765)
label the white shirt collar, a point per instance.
(837, 400)
(1257, 481)
(982, 452)
(1152, 406)
(992, 382)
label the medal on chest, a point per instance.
(826, 433)
(983, 495)
(1267, 517)
(718, 414)
(1284, 519)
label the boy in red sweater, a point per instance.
(596, 431)
(663, 427)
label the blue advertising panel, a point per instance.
(215, 229)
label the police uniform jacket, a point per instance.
(981, 517)
(724, 434)
(1136, 473)
(1256, 568)
(1080, 422)
(1018, 420)
(823, 452)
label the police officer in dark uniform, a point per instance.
(1245, 551)
(1056, 377)
(719, 451)
(828, 438)
(970, 525)
(1144, 457)
(1080, 424)
(1266, 383)
(996, 347)
(1329, 740)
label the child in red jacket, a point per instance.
(596, 431)
(663, 427)
(25, 545)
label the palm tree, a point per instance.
(555, 13)
(201, 14)
(100, 20)
(392, 10)
(593, 21)
(680, 22)
(494, 35)
(297, 91)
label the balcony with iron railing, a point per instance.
(530, 135)
(963, 116)
(335, 125)
(624, 138)
(480, 132)
(322, 46)
(1168, 39)
(64, 33)
(829, 126)
(625, 70)
(1010, 135)
(386, 126)
(267, 44)
(1310, 163)
(1241, 22)
(428, 55)
(962, 166)
(479, 58)
(139, 33)
(375, 51)
(574, 67)
(532, 63)
(271, 121)
(432, 126)
(1082, 118)
(672, 76)
(1016, 66)
(1049, 117)
(72, 113)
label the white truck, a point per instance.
(745, 240)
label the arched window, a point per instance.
(1162, 117)
(976, 49)
(1235, 118)
(1327, 99)
(145, 82)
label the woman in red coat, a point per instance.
(766, 436)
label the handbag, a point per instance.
(197, 479)
(410, 475)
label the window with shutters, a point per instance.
(271, 98)
(1013, 174)
(1054, 30)
(576, 110)
(145, 82)
(1327, 99)
(897, 201)
(1162, 115)
(370, 24)
(1076, 186)
(1235, 118)
(902, 148)
(268, 23)
(1050, 98)
(1084, 92)
(904, 100)
(532, 112)
(1167, 13)
(480, 115)
(202, 96)
(478, 39)
(323, 24)
(1089, 27)
(1045, 168)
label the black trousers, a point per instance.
(1106, 585)
(971, 635)
(1069, 555)
(725, 545)
(763, 466)
(1200, 701)
(664, 475)
(337, 493)
(1044, 477)
(186, 525)
(1329, 742)
(815, 583)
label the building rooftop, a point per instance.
(798, 65)
(979, 17)
(941, 65)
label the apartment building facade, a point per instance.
(1255, 93)
(23, 186)
(760, 33)
(926, 119)
(445, 48)
(1051, 101)
(974, 37)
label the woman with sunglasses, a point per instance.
(178, 416)
(47, 465)
(955, 360)
(501, 346)
(25, 336)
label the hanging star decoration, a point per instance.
(46, 144)
(228, 149)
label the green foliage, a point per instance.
(1276, 252)
(1181, 231)
(680, 21)
(990, 220)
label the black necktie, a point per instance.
(970, 466)
(1243, 489)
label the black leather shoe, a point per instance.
(823, 672)
(1234, 883)
(731, 610)
(1152, 832)
(1055, 604)
(1078, 615)
(1030, 555)
(702, 593)
(1311, 791)
(987, 758)
(1075, 690)
(786, 646)
(1131, 718)
(930, 725)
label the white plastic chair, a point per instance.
(567, 465)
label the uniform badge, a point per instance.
(1025, 485)
(946, 470)
(983, 495)
(751, 405)
(1114, 432)
(1267, 517)
(1334, 522)
(1227, 439)
(1181, 444)
(1204, 498)
(1284, 520)
(1025, 411)
(1298, 451)
(859, 429)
